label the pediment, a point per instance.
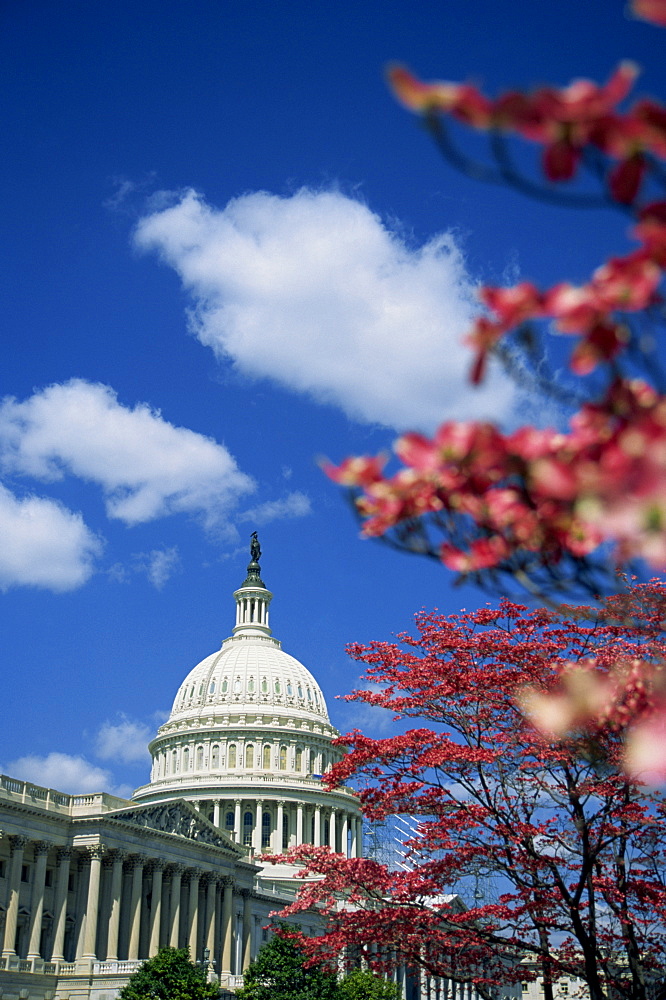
(178, 818)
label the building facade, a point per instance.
(91, 885)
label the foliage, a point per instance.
(361, 984)
(576, 848)
(546, 507)
(278, 973)
(169, 975)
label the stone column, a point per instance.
(358, 827)
(227, 924)
(16, 848)
(354, 838)
(41, 849)
(60, 910)
(317, 826)
(216, 812)
(92, 903)
(344, 835)
(258, 825)
(157, 867)
(247, 929)
(278, 846)
(333, 829)
(193, 911)
(174, 907)
(136, 867)
(210, 881)
(238, 836)
(115, 859)
(299, 824)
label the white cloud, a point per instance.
(63, 772)
(295, 504)
(159, 565)
(43, 544)
(317, 293)
(125, 741)
(146, 466)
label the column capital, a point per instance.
(175, 869)
(281, 803)
(244, 892)
(41, 847)
(155, 865)
(134, 861)
(64, 854)
(208, 877)
(95, 852)
(16, 842)
(192, 874)
(226, 880)
(113, 857)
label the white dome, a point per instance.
(250, 675)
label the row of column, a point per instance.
(144, 904)
(338, 829)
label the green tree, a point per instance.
(361, 984)
(278, 973)
(170, 975)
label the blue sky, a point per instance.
(226, 252)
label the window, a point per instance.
(192, 691)
(299, 759)
(211, 689)
(278, 689)
(264, 686)
(3, 867)
(525, 987)
(249, 755)
(232, 755)
(229, 821)
(199, 758)
(48, 876)
(71, 882)
(267, 757)
(186, 759)
(309, 694)
(266, 830)
(201, 687)
(250, 685)
(327, 833)
(283, 758)
(25, 873)
(215, 756)
(174, 759)
(248, 823)
(300, 691)
(225, 685)
(564, 987)
(285, 832)
(237, 686)
(290, 689)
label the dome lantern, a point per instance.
(252, 598)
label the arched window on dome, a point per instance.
(192, 692)
(215, 756)
(201, 689)
(299, 759)
(200, 763)
(250, 685)
(277, 687)
(232, 755)
(267, 757)
(237, 686)
(283, 758)
(249, 755)
(285, 832)
(225, 685)
(266, 829)
(211, 687)
(309, 694)
(174, 760)
(264, 685)
(248, 823)
(300, 691)
(186, 759)
(290, 690)
(229, 822)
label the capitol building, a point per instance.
(91, 885)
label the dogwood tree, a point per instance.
(548, 507)
(575, 847)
